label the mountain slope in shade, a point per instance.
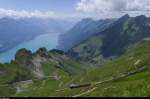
(82, 31)
(119, 37)
(113, 41)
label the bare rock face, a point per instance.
(23, 57)
(34, 61)
(37, 63)
(44, 56)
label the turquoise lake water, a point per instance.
(49, 41)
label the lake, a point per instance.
(48, 41)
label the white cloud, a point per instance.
(39, 14)
(24, 13)
(109, 8)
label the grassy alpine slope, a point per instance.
(28, 68)
(125, 76)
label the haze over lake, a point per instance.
(49, 41)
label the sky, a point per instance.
(43, 5)
(73, 8)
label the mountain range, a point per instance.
(16, 31)
(82, 31)
(113, 41)
(113, 60)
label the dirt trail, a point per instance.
(123, 75)
(61, 89)
(112, 79)
(94, 84)
(22, 85)
(84, 93)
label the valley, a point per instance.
(112, 61)
(15, 31)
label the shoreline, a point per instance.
(8, 55)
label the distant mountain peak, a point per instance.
(7, 19)
(87, 20)
(122, 19)
(126, 16)
(141, 17)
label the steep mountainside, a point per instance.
(123, 34)
(82, 31)
(113, 41)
